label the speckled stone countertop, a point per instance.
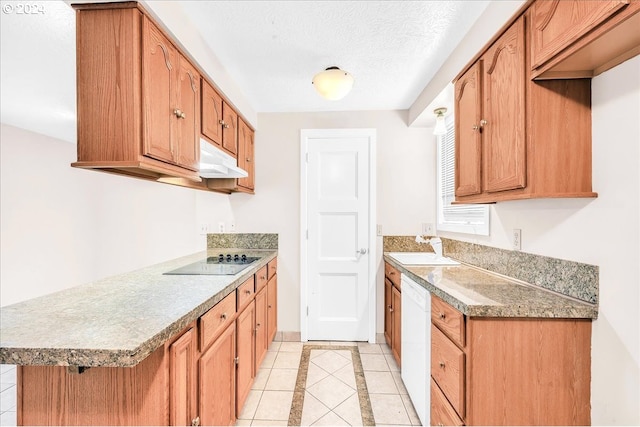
(117, 321)
(479, 293)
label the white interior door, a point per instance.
(340, 291)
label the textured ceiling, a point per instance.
(271, 49)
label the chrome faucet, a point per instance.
(435, 242)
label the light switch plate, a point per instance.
(203, 228)
(379, 229)
(428, 229)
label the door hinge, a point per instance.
(307, 157)
(307, 311)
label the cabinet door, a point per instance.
(261, 327)
(188, 122)
(388, 311)
(217, 381)
(211, 114)
(245, 155)
(245, 371)
(468, 107)
(272, 309)
(183, 405)
(230, 129)
(558, 24)
(504, 111)
(397, 332)
(159, 62)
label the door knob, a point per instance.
(362, 251)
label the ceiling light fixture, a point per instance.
(333, 83)
(441, 127)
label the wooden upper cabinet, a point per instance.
(159, 64)
(520, 148)
(468, 106)
(581, 39)
(171, 101)
(188, 122)
(138, 96)
(211, 114)
(504, 111)
(229, 129)
(245, 156)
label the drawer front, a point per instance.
(261, 278)
(393, 274)
(272, 268)
(442, 414)
(447, 368)
(246, 291)
(214, 321)
(448, 319)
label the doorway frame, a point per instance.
(305, 135)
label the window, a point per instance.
(470, 219)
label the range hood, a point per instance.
(215, 163)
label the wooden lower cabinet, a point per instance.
(261, 329)
(245, 354)
(272, 308)
(217, 371)
(510, 371)
(393, 310)
(183, 378)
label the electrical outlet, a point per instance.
(203, 228)
(232, 226)
(379, 229)
(428, 229)
(221, 227)
(517, 239)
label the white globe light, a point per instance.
(333, 83)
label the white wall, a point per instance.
(62, 226)
(405, 188)
(605, 232)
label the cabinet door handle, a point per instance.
(226, 126)
(179, 114)
(248, 160)
(475, 127)
(221, 122)
(247, 292)
(195, 421)
(441, 365)
(269, 306)
(223, 316)
(390, 309)
(442, 316)
(483, 123)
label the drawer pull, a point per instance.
(441, 365)
(263, 277)
(223, 316)
(269, 306)
(247, 291)
(442, 316)
(393, 273)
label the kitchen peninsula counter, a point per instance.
(480, 293)
(117, 321)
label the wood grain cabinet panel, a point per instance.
(272, 308)
(261, 328)
(229, 129)
(245, 156)
(388, 312)
(468, 107)
(218, 381)
(245, 353)
(393, 311)
(183, 377)
(557, 24)
(211, 114)
(188, 123)
(449, 320)
(504, 111)
(442, 413)
(214, 321)
(396, 347)
(447, 369)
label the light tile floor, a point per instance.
(330, 394)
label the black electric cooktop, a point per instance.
(217, 265)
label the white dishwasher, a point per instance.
(415, 344)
